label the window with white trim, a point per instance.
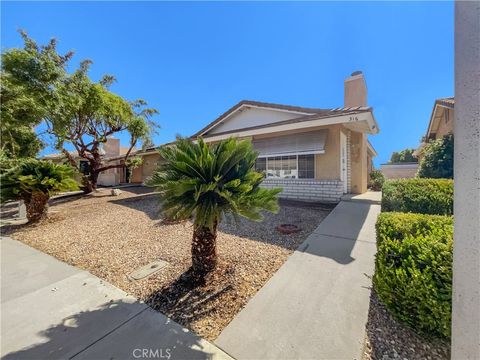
(287, 167)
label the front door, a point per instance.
(343, 161)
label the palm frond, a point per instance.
(34, 175)
(208, 181)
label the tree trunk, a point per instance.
(87, 185)
(94, 179)
(204, 250)
(37, 206)
(90, 182)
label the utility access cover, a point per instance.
(147, 270)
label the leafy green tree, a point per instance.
(7, 162)
(206, 182)
(87, 113)
(437, 159)
(28, 78)
(77, 112)
(404, 156)
(34, 181)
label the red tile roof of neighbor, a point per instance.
(308, 112)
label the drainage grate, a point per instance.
(147, 270)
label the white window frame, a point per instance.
(298, 170)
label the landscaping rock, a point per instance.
(389, 339)
(116, 192)
(111, 236)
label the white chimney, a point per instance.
(355, 90)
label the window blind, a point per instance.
(303, 143)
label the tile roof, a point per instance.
(308, 113)
(449, 102)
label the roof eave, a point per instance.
(261, 105)
(308, 122)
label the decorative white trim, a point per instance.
(350, 118)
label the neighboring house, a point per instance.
(113, 154)
(150, 161)
(313, 154)
(441, 124)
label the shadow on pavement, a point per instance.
(338, 234)
(146, 330)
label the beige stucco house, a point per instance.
(441, 122)
(113, 154)
(313, 154)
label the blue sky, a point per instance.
(193, 61)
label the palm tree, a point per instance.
(34, 181)
(206, 182)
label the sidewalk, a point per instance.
(316, 305)
(50, 310)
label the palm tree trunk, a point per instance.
(204, 250)
(37, 206)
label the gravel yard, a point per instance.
(112, 236)
(388, 339)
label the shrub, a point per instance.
(413, 269)
(376, 180)
(34, 181)
(437, 160)
(425, 196)
(404, 156)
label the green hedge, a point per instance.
(413, 269)
(423, 196)
(377, 179)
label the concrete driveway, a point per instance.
(50, 310)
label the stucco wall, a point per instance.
(355, 91)
(399, 171)
(149, 165)
(358, 157)
(466, 245)
(327, 165)
(445, 127)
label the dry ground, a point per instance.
(112, 236)
(387, 338)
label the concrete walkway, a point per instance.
(316, 305)
(50, 310)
